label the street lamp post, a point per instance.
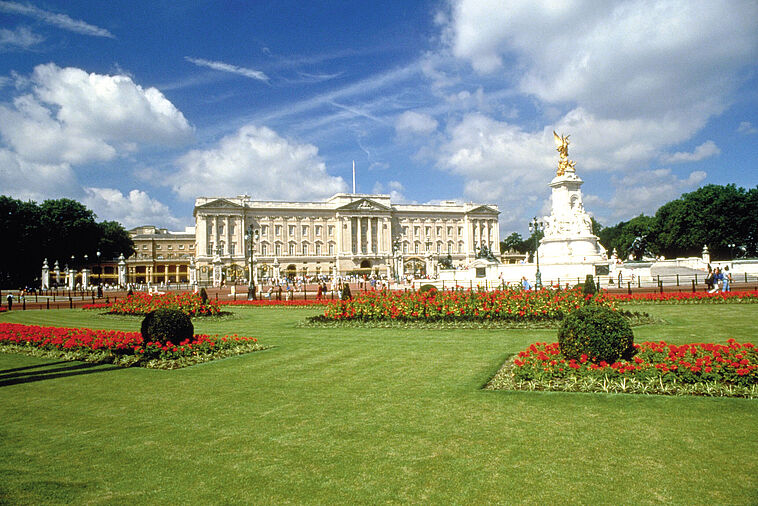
(251, 237)
(99, 276)
(535, 227)
(731, 250)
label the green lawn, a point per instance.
(366, 416)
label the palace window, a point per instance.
(232, 247)
(318, 248)
(292, 249)
(305, 230)
(331, 248)
(460, 247)
(330, 230)
(264, 249)
(181, 246)
(291, 230)
(278, 249)
(220, 229)
(439, 247)
(264, 230)
(305, 248)
(416, 231)
(169, 247)
(449, 247)
(144, 246)
(318, 230)
(278, 230)
(449, 231)
(439, 231)
(158, 246)
(415, 248)
(209, 249)
(428, 230)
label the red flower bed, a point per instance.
(113, 343)
(268, 302)
(459, 305)
(188, 303)
(734, 363)
(688, 297)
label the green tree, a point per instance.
(114, 240)
(513, 242)
(621, 236)
(712, 215)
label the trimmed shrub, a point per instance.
(427, 288)
(598, 332)
(346, 293)
(589, 287)
(164, 325)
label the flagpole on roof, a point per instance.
(353, 176)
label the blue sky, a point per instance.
(136, 108)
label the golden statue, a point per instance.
(562, 146)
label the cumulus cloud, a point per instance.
(131, 210)
(59, 20)
(645, 191)
(394, 189)
(703, 151)
(20, 38)
(635, 57)
(71, 116)
(747, 128)
(412, 123)
(256, 161)
(226, 67)
(35, 181)
(628, 80)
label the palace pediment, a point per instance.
(364, 205)
(483, 211)
(219, 204)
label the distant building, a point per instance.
(345, 234)
(160, 256)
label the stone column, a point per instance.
(359, 236)
(85, 278)
(192, 272)
(217, 271)
(45, 275)
(121, 270)
(57, 271)
(71, 279)
(369, 236)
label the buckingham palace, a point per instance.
(346, 234)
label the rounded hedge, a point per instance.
(598, 332)
(164, 325)
(427, 288)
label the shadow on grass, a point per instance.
(13, 377)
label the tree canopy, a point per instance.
(56, 230)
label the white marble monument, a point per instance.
(568, 229)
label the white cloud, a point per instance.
(34, 181)
(225, 67)
(256, 161)
(71, 116)
(747, 128)
(20, 38)
(131, 210)
(705, 150)
(60, 20)
(645, 191)
(639, 57)
(394, 189)
(412, 122)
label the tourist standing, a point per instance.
(10, 301)
(525, 283)
(709, 279)
(717, 278)
(726, 283)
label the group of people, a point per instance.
(718, 279)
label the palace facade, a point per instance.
(160, 255)
(345, 234)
